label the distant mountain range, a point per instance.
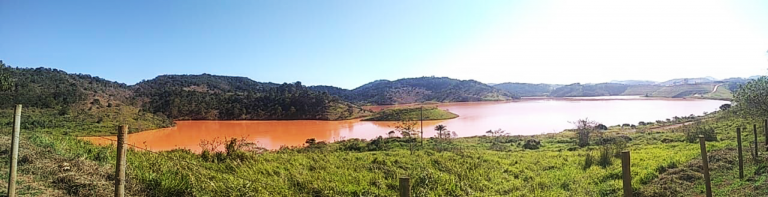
(212, 97)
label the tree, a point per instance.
(6, 84)
(407, 128)
(443, 135)
(601, 127)
(752, 98)
(496, 134)
(442, 132)
(391, 134)
(584, 128)
(725, 107)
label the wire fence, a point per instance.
(66, 172)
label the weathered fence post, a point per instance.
(122, 136)
(765, 127)
(705, 162)
(741, 156)
(405, 187)
(626, 174)
(754, 129)
(14, 151)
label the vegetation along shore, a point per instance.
(578, 162)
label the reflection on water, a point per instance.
(525, 117)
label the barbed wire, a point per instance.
(189, 163)
(221, 172)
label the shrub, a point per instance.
(354, 144)
(692, 133)
(589, 160)
(604, 159)
(584, 128)
(613, 140)
(532, 144)
(601, 127)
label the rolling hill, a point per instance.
(78, 103)
(422, 89)
(526, 89)
(212, 97)
(584, 90)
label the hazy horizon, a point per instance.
(350, 43)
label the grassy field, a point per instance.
(641, 90)
(411, 113)
(680, 91)
(721, 93)
(99, 122)
(475, 166)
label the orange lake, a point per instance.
(528, 116)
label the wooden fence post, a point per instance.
(705, 162)
(122, 136)
(754, 129)
(14, 151)
(628, 191)
(765, 127)
(741, 156)
(405, 187)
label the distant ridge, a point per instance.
(421, 89)
(633, 82)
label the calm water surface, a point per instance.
(523, 117)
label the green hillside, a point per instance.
(412, 113)
(210, 97)
(680, 91)
(71, 103)
(415, 90)
(526, 89)
(641, 90)
(586, 90)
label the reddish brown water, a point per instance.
(525, 117)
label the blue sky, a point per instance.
(349, 43)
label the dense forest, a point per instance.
(210, 97)
(422, 89)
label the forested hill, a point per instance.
(58, 97)
(422, 89)
(202, 83)
(527, 89)
(55, 99)
(579, 90)
(211, 97)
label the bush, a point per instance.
(589, 160)
(601, 127)
(532, 144)
(604, 159)
(613, 140)
(354, 144)
(692, 133)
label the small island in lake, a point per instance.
(412, 113)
